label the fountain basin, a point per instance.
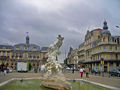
(35, 85)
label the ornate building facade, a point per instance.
(100, 45)
(23, 52)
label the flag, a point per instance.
(117, 26)
(27, 32)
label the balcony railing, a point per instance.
(101, 51)
(100, 43)
(4, 57)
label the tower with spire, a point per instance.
(27, 39)
(105, 27)
(105, 30)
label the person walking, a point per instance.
(73, 70)
(5, 71)
(81, 72)
(87, 72)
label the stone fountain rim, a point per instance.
(41, 78)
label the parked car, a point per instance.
(68, 68)
(114, 72)
(9, 70)
(95, 71)
(76, 69)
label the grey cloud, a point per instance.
(71, 20)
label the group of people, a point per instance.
(86, 71)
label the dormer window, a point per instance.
(17, 48)
(26, 48)
(4, 47)
(34, 48)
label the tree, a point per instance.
(29, 66)
(65, 61)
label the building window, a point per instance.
(21, 55)
(29, 55)
(8, 53)
(13, 54)
(17, 48)
(15, 63)
(33, 64)
(108, 39)
(110, 47)
(113, 39)
(26, 48)
(3, 53)
(4, 47)
(34, 48)
(104, 47)
(117, 64)
(116, 56)
(111, 65)
(117, 40)
(115, 47)
(17, 54)
(103, 39)
(34, 56)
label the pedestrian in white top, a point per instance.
(5, 72)
(81, 72)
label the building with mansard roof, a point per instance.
(22, 52)
(99, 45)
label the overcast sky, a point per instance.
(45, 19)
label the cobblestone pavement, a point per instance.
(111, 81)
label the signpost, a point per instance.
(102, 62)
(102, 65)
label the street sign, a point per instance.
(102, 62)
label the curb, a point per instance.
(99, 84)
(8, 81)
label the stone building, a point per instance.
(72, 59)
(100, 45)
(5, 54)
(43, 55)
(23, 52)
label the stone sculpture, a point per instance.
(52, 65)
(54, 78)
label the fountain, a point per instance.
(54, 78)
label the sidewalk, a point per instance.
(111, 81)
